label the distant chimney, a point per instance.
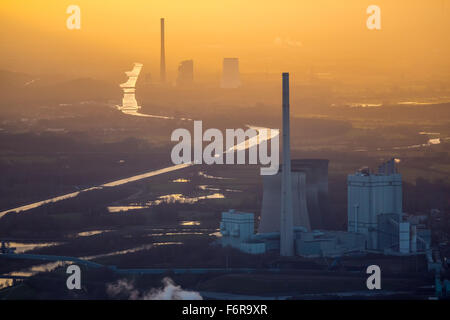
(163, 54)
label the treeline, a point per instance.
(389, 113)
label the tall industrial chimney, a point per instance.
(163, 54)
(286, 223)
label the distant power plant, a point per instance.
(185, 73)
(163, 54)
(230, 68)
(230, 73)
(316, 174)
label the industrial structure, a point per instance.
(372, 227)
(309, 196)
(374, 209)
(287, 219)
(163, 54)
(370, 195)
(237, 229)
(185, 73)
(230, 73)
(295, 206)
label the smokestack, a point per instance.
(286, 223)
(163, 54)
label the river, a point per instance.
(244, 145)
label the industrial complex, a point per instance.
(230, 78)
(295, 206)
(295, 234)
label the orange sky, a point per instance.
(266, 35)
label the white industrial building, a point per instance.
(237, 229)
(370, 195)
(374, 209)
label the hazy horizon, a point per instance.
(269, 37)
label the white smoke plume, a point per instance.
(169, 291)
(122, 288)
(287, 43)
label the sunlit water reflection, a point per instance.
(244, 145)
(169, 198)
(21, 247)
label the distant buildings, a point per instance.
(230, 73)
(230, 68)
(185, 73)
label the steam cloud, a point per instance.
(170, 291)
(287, 43)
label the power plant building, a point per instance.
(377, 227)
(185, 73)
(295, 208)
(370, 195)
(230, 73)
(237, 229)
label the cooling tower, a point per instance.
(309, 196)
(316, 171)
(271, 204)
